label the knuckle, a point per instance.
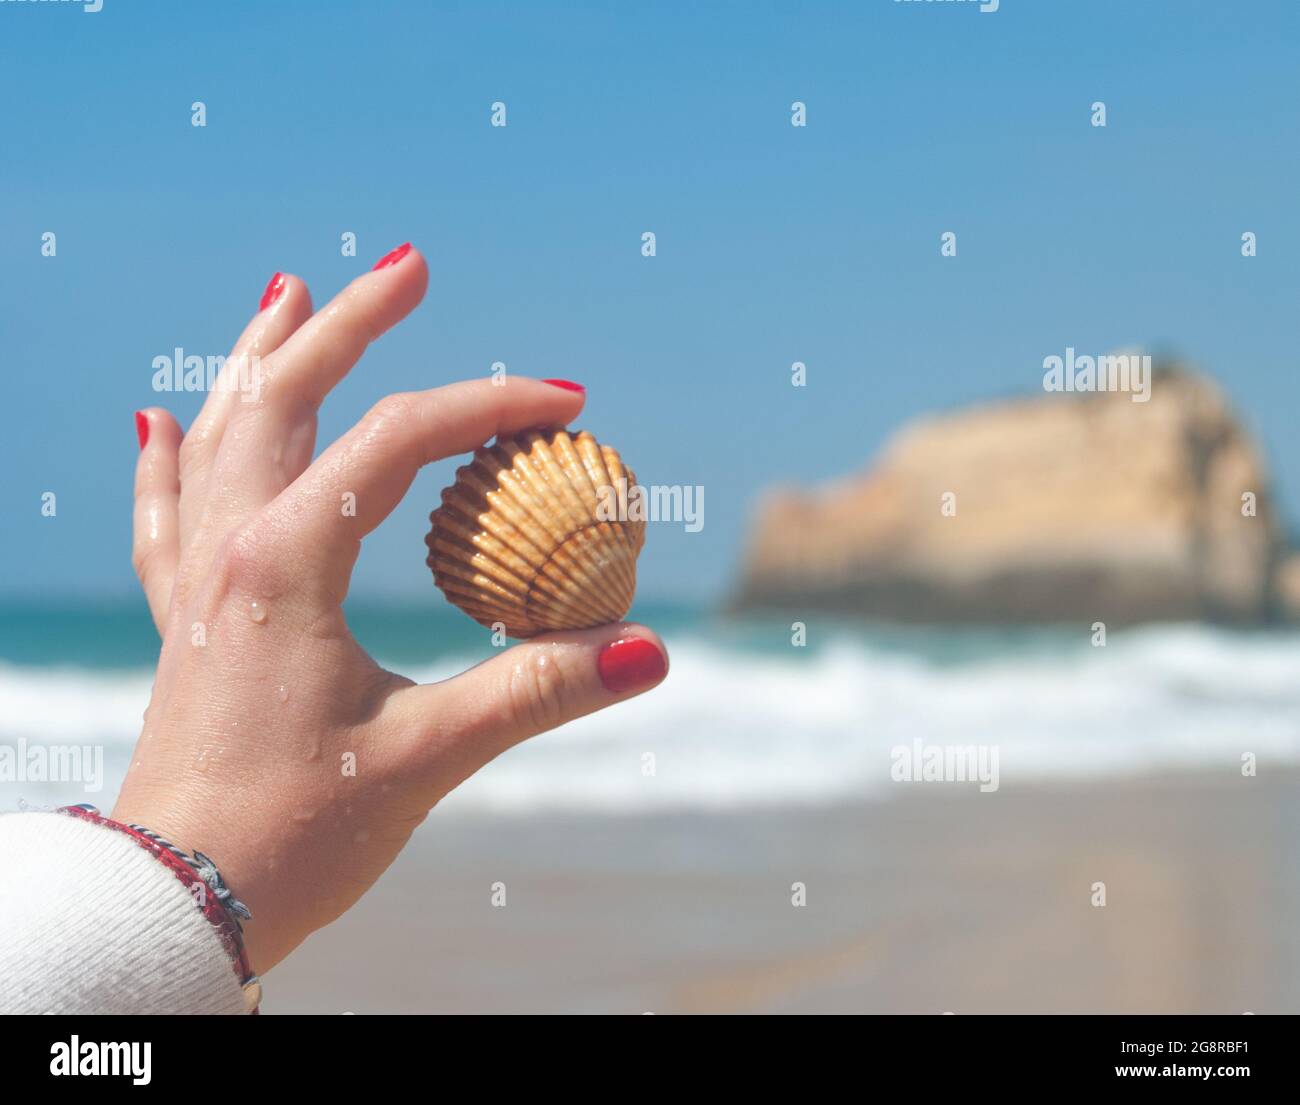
(364, 312)
(392, 410)
(142, 556)
(387, 423)
(246, 559)
(539, 690)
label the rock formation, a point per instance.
(1063, 508)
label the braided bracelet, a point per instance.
(223, 910)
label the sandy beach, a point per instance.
(939, 899)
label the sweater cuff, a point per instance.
(91, 922)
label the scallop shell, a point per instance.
(525, 535)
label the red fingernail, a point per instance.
(630, 664)
(142, 428)
(392, 257)
(274, 289)
(568, 385)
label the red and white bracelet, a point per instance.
(222, 909)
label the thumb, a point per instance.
(453, 728)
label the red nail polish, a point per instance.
(630, 664)
(142, 428)
(568, 385)
(393, 256)
(274, 289)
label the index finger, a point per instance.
(371, 467)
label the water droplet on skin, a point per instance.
(304, 816)
(313, 752)
(362, 836)
(283, 693)
(257, 612)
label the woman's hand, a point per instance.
(273, 743)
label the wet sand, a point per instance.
(939, 899)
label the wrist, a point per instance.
(202, 881)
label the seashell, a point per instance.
(529, 535)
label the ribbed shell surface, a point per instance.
(530, 535)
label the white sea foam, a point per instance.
(732, 728)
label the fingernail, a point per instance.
(393, 256)
(630, 664)
(568, 385)
(142, 428)
(274, 289)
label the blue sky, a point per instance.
(775, 243)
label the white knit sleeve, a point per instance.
(90, 922)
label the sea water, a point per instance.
(746, 717)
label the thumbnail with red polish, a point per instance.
(630, 664)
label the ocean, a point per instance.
(746, 718)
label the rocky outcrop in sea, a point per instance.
(1057, 508)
